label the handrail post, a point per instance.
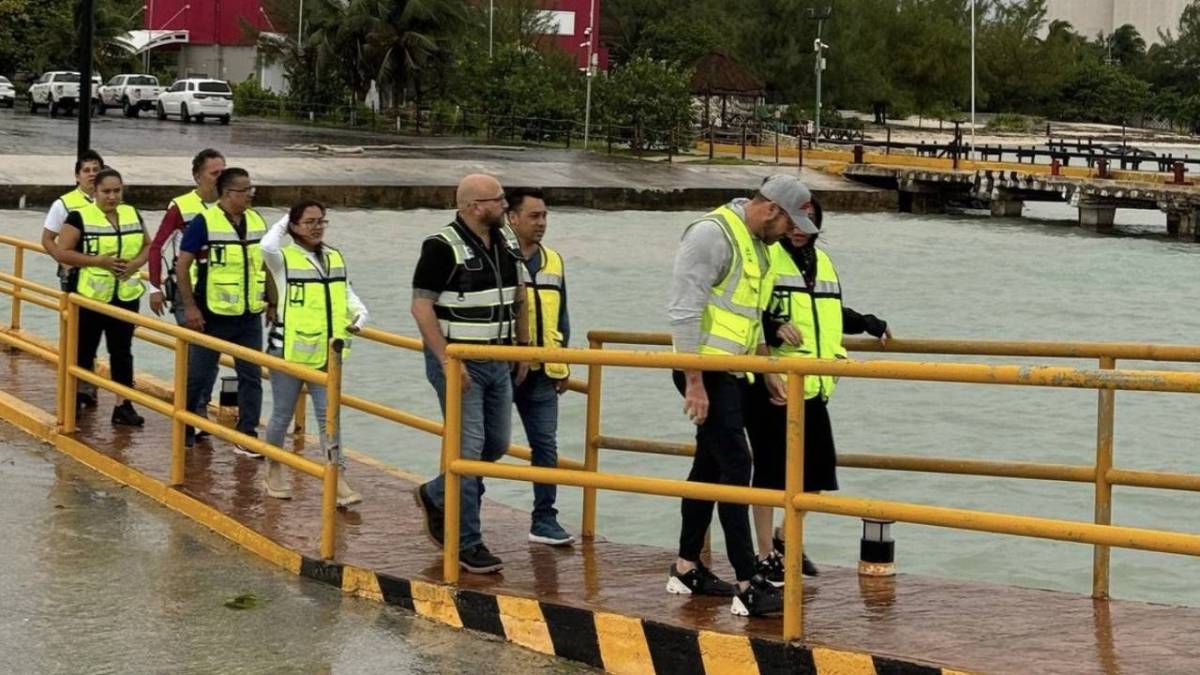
(178, 427)
(19, 272)
(63, 331)
(452, 451)
(591, 448)
(71, 358)
(793, 519)
(333, 408)
(1105, 415)
(301, 412)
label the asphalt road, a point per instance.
(113, 134)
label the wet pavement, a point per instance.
(963, 625)
(99, 579)
(37, 152)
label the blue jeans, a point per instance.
(203, 365)
(537, 403)
(285, 391)
(486, 431)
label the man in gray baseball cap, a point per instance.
(793, 196)
(719, 290)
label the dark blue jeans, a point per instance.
(486, 431)
(537, 403)
(203, 365)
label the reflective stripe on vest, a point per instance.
(235, 278)
(315, 308)
(732, 319)
(816, 313)
(100, 238)
(189, 206)
(472, 308)
(543, 297)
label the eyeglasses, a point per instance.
(250, 190)
(501, 198)
(315, 223)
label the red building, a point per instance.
(571, 19)
(217, 44)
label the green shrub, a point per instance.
(1014, 123)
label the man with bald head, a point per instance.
(467, 287)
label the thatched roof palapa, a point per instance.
(719, 74)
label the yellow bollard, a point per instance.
(1105, 414)
(591, 445)
(63, 331)
(178, 427)
(793, 519)
(451, 451)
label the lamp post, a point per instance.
(972, 76)
(491, 25)
(591, 72)
(87, 29)
(300, 28)
(820, 15)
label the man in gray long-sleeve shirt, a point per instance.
(718, 291)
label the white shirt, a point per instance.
(56, 217)
(272, 252)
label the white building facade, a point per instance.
(1092, 17)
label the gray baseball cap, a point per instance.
(793, 196)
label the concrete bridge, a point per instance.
(930, 190)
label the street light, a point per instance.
(591, 72)
(972, 77)
(491, 25)
(820, 15)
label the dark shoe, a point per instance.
(244, 452)
(434, 517)
(759, 599)
(201, 435)
(771, 569)
(85, 400)
(808, 568)
(549, 532)
(479, 560)
(124, 414)
(699, 581)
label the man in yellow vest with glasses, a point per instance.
(222, 285)
(549, 325)
(719, 289)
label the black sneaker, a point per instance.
(434, 517)
(771, 569)
(84, 399)
(479, 560)
(699, 581)
(759, 599)
(807, 566)
(124, 414)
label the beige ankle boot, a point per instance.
(346, 495)
(276, 483)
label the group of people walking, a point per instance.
(748, 279)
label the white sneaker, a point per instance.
(275, 483)
(346, 495)
(239, 450)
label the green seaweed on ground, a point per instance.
(245, 601)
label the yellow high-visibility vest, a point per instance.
(125, 241)
(236, 278)
(816, 313)
(544, 296)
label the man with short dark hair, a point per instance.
(207, 165)
(222, 286)
(86, 167)
(549, 326)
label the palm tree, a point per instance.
(404, 39)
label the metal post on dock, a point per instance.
(178, 426)
(18, 272)
(591, 442)
(1105, 415)
(793, 520)
(451, 452)
(333, 411)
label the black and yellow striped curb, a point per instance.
(612, 642)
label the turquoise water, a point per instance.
(930, 276)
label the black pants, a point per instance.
(722, 456)
(118, 340)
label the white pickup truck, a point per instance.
(131, 93)
(58, 90)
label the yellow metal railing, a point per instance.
(1106, 380)
(1102, 473)
(795, 502)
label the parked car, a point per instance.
(58, 90)
(196, 99)
(131, 93)
(8, 95)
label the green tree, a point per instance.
(648, 99)
(1095, 92)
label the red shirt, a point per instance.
(171, 227)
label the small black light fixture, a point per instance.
(229, 392)
(877, 549)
